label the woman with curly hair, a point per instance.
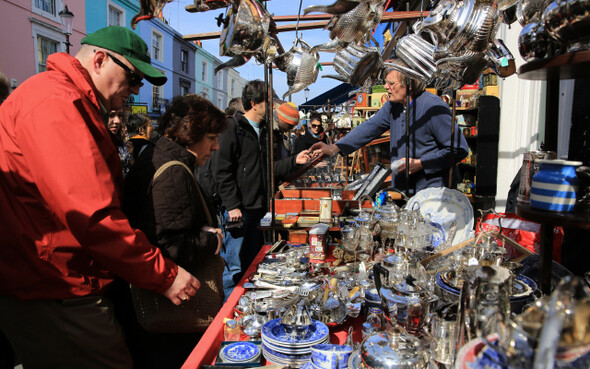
(166, 203)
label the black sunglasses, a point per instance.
(133, 78)
(316, 125)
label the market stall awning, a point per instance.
(337, 96)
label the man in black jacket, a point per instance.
(239, 168)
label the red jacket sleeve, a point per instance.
(75, 166)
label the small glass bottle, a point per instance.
(374, 317)
(231, 330)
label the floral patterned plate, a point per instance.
(445, 206)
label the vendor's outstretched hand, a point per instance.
(185, 286)
(320, 148)
(303, 157)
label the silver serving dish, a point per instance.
(393, 351)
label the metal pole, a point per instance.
(407, 171)
(270, 147)
(67, 43)
(452, 156)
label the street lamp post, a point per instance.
(67, 24)
(306, 91)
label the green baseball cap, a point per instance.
(127, 43)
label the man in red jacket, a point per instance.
(63, 234)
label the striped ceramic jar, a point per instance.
(555, 184)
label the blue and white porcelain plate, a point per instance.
(240, 352)
(288, 349)
(522, 288)
(445, 206)
(274, 332)
(278, 358)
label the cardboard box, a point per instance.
(378, 99)
(362, 99)
(467, 98)
(491, 91)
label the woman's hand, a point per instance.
(218, 234)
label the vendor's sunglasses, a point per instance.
(133, 78)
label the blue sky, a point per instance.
(191, 23)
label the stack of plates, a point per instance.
(240, 352)
(282, 348)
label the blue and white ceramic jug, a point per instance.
(555, 184)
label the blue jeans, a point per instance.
(240, 247)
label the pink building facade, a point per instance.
(30, 30)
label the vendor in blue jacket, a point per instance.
(430, 135)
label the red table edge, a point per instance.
(202, 354)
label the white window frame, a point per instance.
(50, 33)
(120, 9)
(160, 91)
(54, 17)
(205, 92)
(220, 102)
(220, 79)
(204, 74)
(160, 56)
(184, 64)
(232, 88)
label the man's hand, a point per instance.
(303, 157)
(320, 148)
(184, 286)
(415, 166)
(235, 215)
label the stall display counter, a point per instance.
(205, 353)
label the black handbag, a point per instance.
(156, 313)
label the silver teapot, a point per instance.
(408, 305)
(484, 302)
(300, 65)
(246, 26)
(296, 321)
(356, 63)
(569, 22)
(387, 216)
(351, 26)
